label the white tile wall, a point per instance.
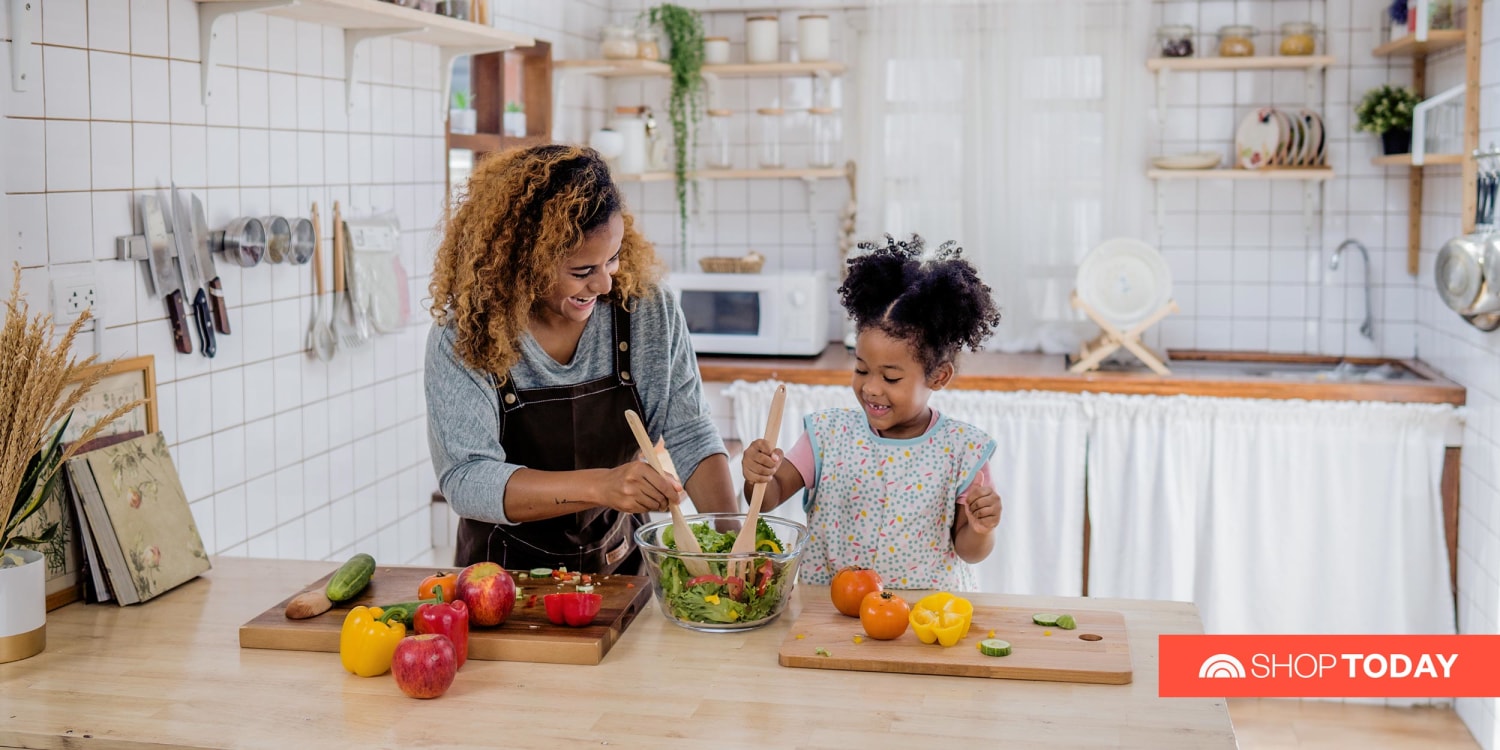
(280, 455)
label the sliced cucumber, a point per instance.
(540, 572)
(1044, 619)
(1066, 622)
(994, 647)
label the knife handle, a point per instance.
(221, 310)
(205, 324)
(179, 322)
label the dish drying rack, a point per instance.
(1111, 339)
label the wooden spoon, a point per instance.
(745, 542)
(681, 533)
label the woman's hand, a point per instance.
(983, 509)
(760, 462)
(635, 487)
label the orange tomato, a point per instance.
(884, 615)
(849, 587)
(448, 582)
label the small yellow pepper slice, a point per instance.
(768, 543)
(941, 618)
(367, 644)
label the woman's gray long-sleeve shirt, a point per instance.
(463, 406)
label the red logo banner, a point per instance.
(1329, 666)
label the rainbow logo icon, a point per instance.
(1221, 665)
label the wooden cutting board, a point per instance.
(524, 636)
(1037, 653)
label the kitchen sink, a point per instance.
(1329, 372)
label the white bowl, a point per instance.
(1196, 160)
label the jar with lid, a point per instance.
(812, 38)
(1297, 38)
(770, 137)
(824, 123)
(618, 43)
(716, 50)
(647, 46)
(1237, 40)
(1176, 40)
(720, 154)
(762, 40)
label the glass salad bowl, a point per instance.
(712, 600)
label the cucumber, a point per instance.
(1044, 619)
(541, 572)
(994, 647)
(351, 578)
(1066, 622)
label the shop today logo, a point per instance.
(1329, 666)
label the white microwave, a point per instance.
(755, 313)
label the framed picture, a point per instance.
(123, 381)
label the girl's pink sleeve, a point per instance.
(801, 456)
(982, 479)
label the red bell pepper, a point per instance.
(572, 609)
(449, 619)
(765, 572)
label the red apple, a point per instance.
(489, 591)
(424, 665)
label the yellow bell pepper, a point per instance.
(941, 618)
(367, 642)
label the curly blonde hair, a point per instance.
(526, 211)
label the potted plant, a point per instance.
(683, 29)
(462, 119)
(33, 374)
(514, 121)
(1386, 110)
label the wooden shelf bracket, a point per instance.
(356, 38)
(208, 14)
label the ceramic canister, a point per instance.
(23, 607)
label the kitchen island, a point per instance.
(170, 673)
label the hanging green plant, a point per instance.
(683, 29)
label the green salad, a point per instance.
(716, 597)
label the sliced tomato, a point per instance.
(763, 572)
(735, 586)
(715, 580)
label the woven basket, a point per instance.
(750, 263)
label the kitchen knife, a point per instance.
(164, 272)
(182, 237)
(210, 272)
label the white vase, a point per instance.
(23, 607)
(514, 124)
(463, 121)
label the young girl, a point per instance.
(896, 486)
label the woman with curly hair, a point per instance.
(549, 325)
(894, 485)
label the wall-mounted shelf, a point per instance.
(643, 68)
(363, 20)
(741, 174)
(1314, 174)
(614, 68)
(1267, 62)
(1410, 46)
(1404, 160)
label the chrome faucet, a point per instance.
(1367, 329)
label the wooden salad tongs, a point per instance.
(681, 533)
(744, 544)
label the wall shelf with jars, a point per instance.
(650, 68)
(742, 174)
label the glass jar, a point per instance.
(762, 40)
(1237, 40)
(812, 38)
(1176, 40)
(824, 123)
(1297, 39)
(719, 141)
(647, 46)
(618, 43)
(716, 50)
(770, 137)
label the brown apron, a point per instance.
(566, 428)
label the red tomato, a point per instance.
(849, 587)
(884, 615)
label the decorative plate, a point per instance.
(1195, 160)
(1257, 139)
(1124, 280)
(1314, 124)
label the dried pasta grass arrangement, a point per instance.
(34, 372)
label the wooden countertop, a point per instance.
(170, 673)
(992, 371)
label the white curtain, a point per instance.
(1037, 470)
(1273, 516)
(1013, 126)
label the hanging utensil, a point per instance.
(320, 336)
(215, 285)
(681, 532)
(187, 256)
(744, 544)
(343, 307)
(164, 272)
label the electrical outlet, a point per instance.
(71, 296)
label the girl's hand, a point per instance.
(760, 462)
(983, 509)
(635, 487)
